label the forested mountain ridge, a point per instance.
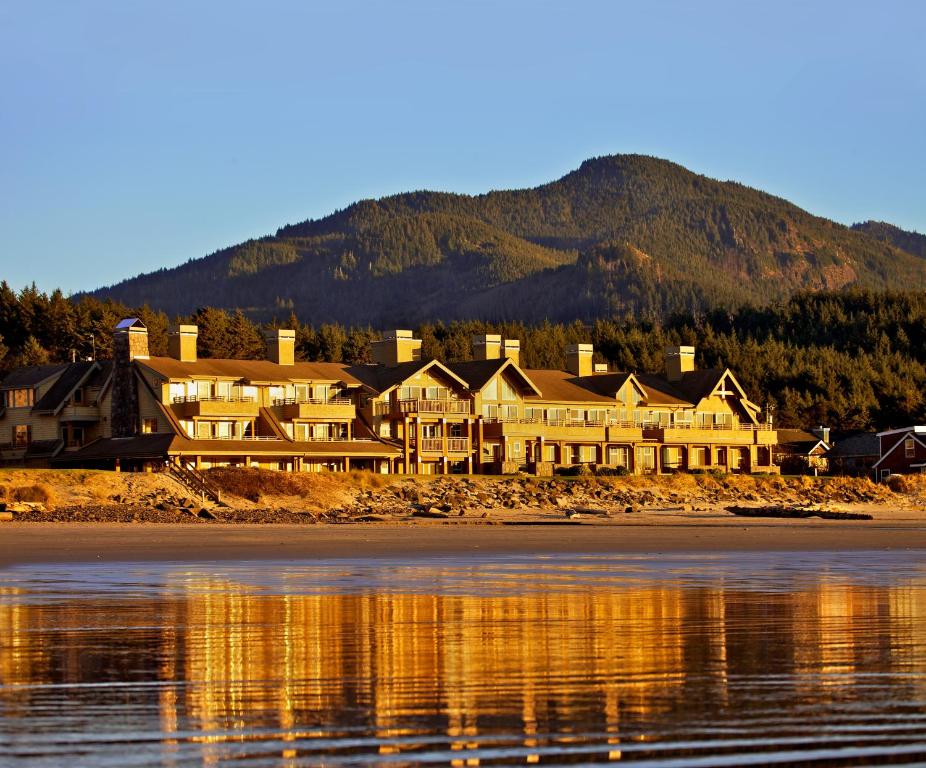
(911, 242)
(623, 233)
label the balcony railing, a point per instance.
(213, 399)
(610, 422)
(436, 445)
(417, 405)
(312, 401)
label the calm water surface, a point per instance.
(663, 660)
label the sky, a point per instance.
(138, 135)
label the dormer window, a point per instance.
(78, 396)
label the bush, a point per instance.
(612, 471)
(37, 493)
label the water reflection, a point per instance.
(545, 661)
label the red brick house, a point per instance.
(903, 451)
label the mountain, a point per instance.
(623, 233)
(911, 242)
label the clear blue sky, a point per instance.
(137, 135)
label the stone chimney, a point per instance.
(511, 349)
(396, 347)
(281, 346)
(130, 343)
(579, 359)
(487, 346)
(679, 361)
(181, 343)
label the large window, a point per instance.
(909, 447)
(508, 392)
(19, 398)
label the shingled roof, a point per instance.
(249, 370)
(30, 375)
(67, 382)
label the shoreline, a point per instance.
(34, 543)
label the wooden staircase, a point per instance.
(192, 480)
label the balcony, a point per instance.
(730, 434)
(436, 445)
(549, 429)
(80, 413)
(190, 407)
(335, 409)
(446, 407)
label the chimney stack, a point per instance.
(396, 347)
(281, 346)
(679, 361)
(579, 359)
(487, 346)
(130, 342)
(181, 343)
(823, 433)
(600, 368)
(511, 349)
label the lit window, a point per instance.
(22, 434)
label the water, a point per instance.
(670, 660)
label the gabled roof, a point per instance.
(31, 375)
(897, 445)
(383, 378)
(917, 429)
(59, 392)
(862, 444)
(661, 392)
(562, 387)
(800, 441)
(607, 384)
(478, 373)
(249, 370)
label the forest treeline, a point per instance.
(849, 360)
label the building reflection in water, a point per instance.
(401, 669)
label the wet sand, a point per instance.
(83, 542)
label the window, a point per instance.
(646, 458)
(223, 430)
(177, 390)
(223, 389)
(20, 398)
(22, 435)
(508, 411)
(534, 414)
(490, 412)
(78, 397)
(909, 447)
(203, 430)
(508, 392)
(74, 437)
(148, 426)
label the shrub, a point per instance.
(612, 471)
(38, 493)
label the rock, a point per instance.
(371, 519)
(5, 516)
(432, 512)
(630, 509)
(206, 514)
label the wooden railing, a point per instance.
(610, 422)
(312, 401)
(191, 479)
(213, 399)
(418, 405)
(436, 445)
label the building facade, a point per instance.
(400, 414)
(902, 452)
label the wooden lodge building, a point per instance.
(400, 414)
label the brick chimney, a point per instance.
(130, 343)
(181, 343)
(679, 361)
(579, 359)
(487, 346)
(281, 346)
(396, 347)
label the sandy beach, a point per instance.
(87, 542)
